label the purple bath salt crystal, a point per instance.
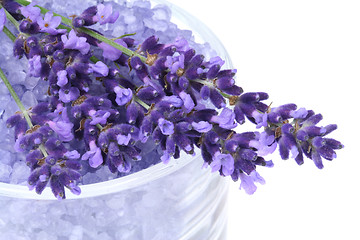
(2, 19)
(35, 66)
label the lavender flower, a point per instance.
(105, 14)
(100, 68)
(223, 162)
(31, 12)
(93, 155)
(123, 96)
(226, 119)
(50, 23)
(72, 41)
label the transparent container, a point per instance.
(180, 200)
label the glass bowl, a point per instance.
(179, 200)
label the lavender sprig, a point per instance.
(102, 111)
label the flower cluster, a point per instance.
(101, 111)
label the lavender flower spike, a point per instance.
(2, 19)
(105, 14)
(75, 42)
(50, 23)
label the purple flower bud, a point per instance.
(234, 90)
(216, 98)
(74, 42)
(314, 131)
(313, 120)
(182, 127)
(332, 143)
(183, 83)
(212, 137)
(184, 142)
(315, 156)
(57, 188)
(252, 97)
(244, 165)
(166, 127)
(225, 82)
(125, 167)
(205, 92)
(213, 71)
(18, 49)
(329, 128)
(148, 94)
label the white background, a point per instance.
(306, 52)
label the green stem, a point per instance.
(101, 38)
(16, 98)
(21, 106)
(209, 84)
(9, 34)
